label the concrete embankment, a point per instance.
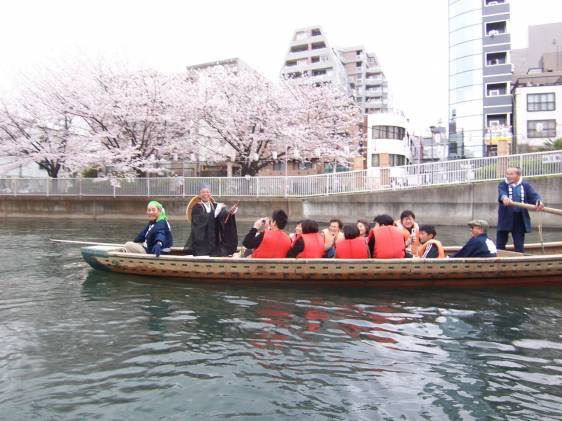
(446, 205)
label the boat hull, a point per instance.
(523, 270)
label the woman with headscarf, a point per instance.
(156, 237)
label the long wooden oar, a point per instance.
(88, 243)
(553, 211)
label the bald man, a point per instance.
(512, 219)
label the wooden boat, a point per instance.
(508, 269)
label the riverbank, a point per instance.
(442, 205)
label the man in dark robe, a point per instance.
(202, 240)
(227, 234)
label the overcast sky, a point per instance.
(409, 36)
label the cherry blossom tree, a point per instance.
(252, 121)
(133, 115)
(29, 131)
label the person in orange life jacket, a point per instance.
(386, 241)
(410, 230)
(479, 244)
(310, 244)
(297, 233)
(352, 246)
(269, 241)
(331, 235)
(429, 247)
(363, 226)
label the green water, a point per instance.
(82, 344)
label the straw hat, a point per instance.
(189, 209)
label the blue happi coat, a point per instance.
(505, 213)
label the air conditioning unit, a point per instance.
(492, 3)
(493, 92)
(494, 124)
(493, 33)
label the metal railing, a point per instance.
(370, 180)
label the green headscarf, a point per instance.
(158, 205)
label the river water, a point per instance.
(83, 344)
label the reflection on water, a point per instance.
(83, 344)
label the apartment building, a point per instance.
(367, 81)
(480, 71)
(311, 58)
(356, 71)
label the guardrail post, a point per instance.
(328, 184)
(257, 186)
(148, 186)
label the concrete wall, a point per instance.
(448, 205)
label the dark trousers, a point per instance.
(517, 233)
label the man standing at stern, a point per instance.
(511, 218)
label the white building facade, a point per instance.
(311, 59)
(389, 140)
(538, 115)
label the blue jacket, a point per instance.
(480, 246)
(505, 213)
(151, 233)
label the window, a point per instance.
(396, 160)
(375, 161)
(496, 28)
(279, 166)
(541, 128)
(388, 132)
(299, 48)
(315, 59)
(315, 32)
(358, 64)
(541, 102)
(497, 120)
(317, 45)
(495, 89)
(493, 59)
(300, 35)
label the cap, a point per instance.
(479, 223)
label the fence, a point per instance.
(372, 179)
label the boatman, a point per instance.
(513, 219)
(267, 239)
(479, 244)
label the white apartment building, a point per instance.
(538, 110)
(311, 59)
(389, 141)
(366, 79)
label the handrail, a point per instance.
(369, 180)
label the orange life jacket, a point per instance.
(440, 249)
(355, 248)
(414, 236)
(313, 246)
(274, 244)
(389, 242)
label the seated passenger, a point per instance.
(310, 244)
(269, 241)
(429, 247)
(410, 230)
(385, 240)
(363, 226)
(479, 244)
(297, 233)
(156, 237)
(353, 246)
(331, 235)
